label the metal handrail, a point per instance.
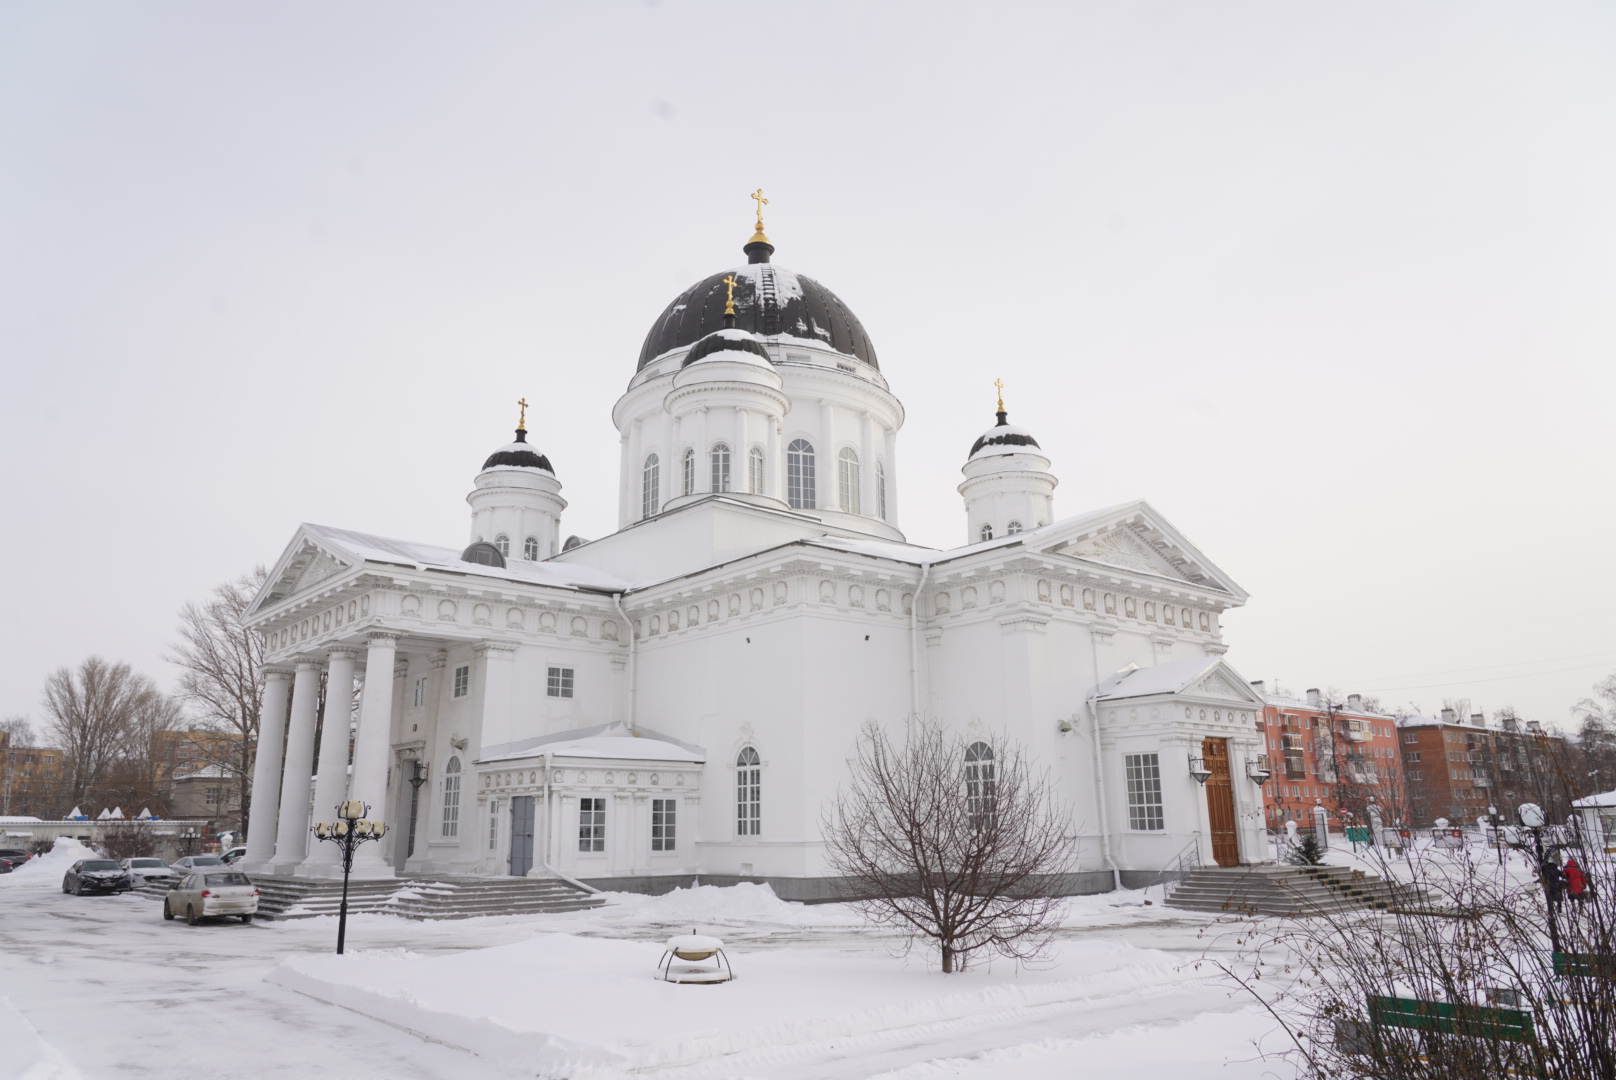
(1186, 863)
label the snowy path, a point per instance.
(118, 992)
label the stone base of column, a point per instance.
(322, 863)
(265, 867)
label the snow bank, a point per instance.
(26, 1056)
(731, 905)
(45, 872)
(575, 1006)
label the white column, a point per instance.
(673, 472)
(632, 465)
(498, 681)
(773, 466)
(704, 462)
(867, 466)
(889, 436)
(292, 831)
(266, 783)
(373, 748)
(331, 778)
(825, 478)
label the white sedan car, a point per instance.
(192, 863)
(211, 895)
(150, 871)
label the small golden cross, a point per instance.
(522, 423)
(1000, 384)
(729, 303)
(762, 202)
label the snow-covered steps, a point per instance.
(420, 898)
(1287, 890)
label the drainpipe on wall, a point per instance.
(628, 628)
(1099, 770)
(914, 644)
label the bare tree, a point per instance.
(221, 677)
(20, 728)
(954, 843)
(101, 716)
(1596, 734)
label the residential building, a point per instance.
(1338, 755)
(1458, 769)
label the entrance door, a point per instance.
(1220, 802)
(521, 835)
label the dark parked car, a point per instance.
(13, 857)
(96, 875)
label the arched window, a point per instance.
(800, 475)
(503, 542)
(754, 471)
(880, 490)
(748, 793)
(1015, 527)
(981, 786)
(451, 798)
(720, 457)
(530, 549)
(650, 485)
(847, 470)
(987, 532)
(689, 471)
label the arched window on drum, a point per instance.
(748, 793)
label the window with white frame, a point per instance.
(559, 682)
(987, 532)
(663, 821)
(847, 475)
(592, 824)
(451, 798)
(688, 473)
(650, 486)
(754, 471)
(503, 542)
(719, 459)
(420, 691)
(800, 475)
(1142, 773)
(1013, 528)
(748, 793)
(981, 785)
(880, 490)
(493, 824)
(462, 680)
(530, 549)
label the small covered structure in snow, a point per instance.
(700, 959)
(1598, 813)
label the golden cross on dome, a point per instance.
(761, 203)
(522, 423)
(1000, 384)
(729, 302)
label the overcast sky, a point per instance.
(1330, 285)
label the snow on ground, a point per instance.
(118, 992)
(24, 1055)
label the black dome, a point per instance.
(769, 300)
(519, 453)
(483, 554)
(1003, 434)
(727, 341)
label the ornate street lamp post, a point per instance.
(348, 832)
(1548, 868)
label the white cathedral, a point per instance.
(680, 699)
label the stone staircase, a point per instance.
(1289, 891)
(413, 898)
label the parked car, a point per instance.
(13, 857)
(148, 870)
(96, 875)
(209, 895)
(234, 855)
(196, 862)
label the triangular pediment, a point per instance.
(302, 567)
(1135, 538)
(1219, 684)
(1125, 548)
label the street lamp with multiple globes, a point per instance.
(349, 831)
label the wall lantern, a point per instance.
(1198, 771)
(1257, 771)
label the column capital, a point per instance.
(342, 652)
(278, 671)
(382, 637)
(440, 661)
(310, 663)
(505, 650)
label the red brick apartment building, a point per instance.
(1331, 753)
(1457, 769)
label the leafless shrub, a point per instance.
(1480, 945)
(126, 840)
(954, 842)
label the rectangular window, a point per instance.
(493, 824)
(213, 796)
(560, 682)
(662, 824)
(591, 824)
(462, 680)
(420, 691)
(1412, 756)
(1143, 774)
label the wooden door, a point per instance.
(521, 835)
(1220, 802)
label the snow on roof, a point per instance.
(1168, 678)
(1607, 798)
(431, 557)
(19, 819)
(206, 772)
(614, 742)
